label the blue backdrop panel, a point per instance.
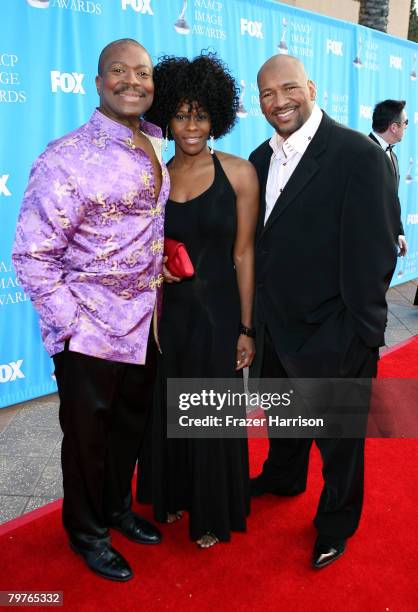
(48, 57)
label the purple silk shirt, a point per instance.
(89, 241)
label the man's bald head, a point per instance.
(277, 62)
(111, 47)
(286, 94)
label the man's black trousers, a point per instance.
(104, 406)
(286, 467)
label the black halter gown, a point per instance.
(198, 335)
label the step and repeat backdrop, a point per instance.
(48, 62)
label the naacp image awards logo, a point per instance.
(38, 3)
(81, 6)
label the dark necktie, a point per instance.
(391, 155)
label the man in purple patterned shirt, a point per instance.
(88, 250)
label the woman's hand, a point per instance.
(168, 277)
(245, 351)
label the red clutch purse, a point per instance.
(178, 261)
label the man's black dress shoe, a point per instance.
(106, 562)
(326, 551)
(261, 485)
(137, 529)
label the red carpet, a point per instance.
(394, 403)
(401, 361)
(267, 568)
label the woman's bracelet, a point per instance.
(247, 331)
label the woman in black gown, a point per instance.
(213, 209)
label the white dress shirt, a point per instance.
(286, 156)
(383, 144)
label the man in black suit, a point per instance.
(325, 255)
(389, 124)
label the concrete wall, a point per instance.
(348, 11)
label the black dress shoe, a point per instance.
(106, 562)
(137, 529)
(327, 551)
(261, 485)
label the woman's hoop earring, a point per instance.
(211, 144)
(166, 138)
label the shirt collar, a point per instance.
(120, 131)
(298, 141)
(381, 141)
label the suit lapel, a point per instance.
(263, 167)
(395, 165)
(393, 158)
(304, 172)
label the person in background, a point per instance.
(389, 124)
(88, 251)
(206, 326)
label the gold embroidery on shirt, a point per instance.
(103, 255)
(146, 178)
(155, 211)
(109, 281)
(100, 141)
(128, 199)
(156, 281)
(157, 246)
(62, 190)
(133, 258)
(89, 158)
(99, 199)
(112, 213)
(70, 142)
(130, 143)
(63, 220)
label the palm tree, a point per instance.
(413, 22)
(374, 14)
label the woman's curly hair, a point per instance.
(204, 80)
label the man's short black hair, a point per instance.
(115, 43)
(385, 113)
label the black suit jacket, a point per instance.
(326, 255)
(397, 176)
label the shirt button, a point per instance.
(284, 163)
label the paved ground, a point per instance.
(30, 436)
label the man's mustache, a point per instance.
(283, 109)
(135, 90)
